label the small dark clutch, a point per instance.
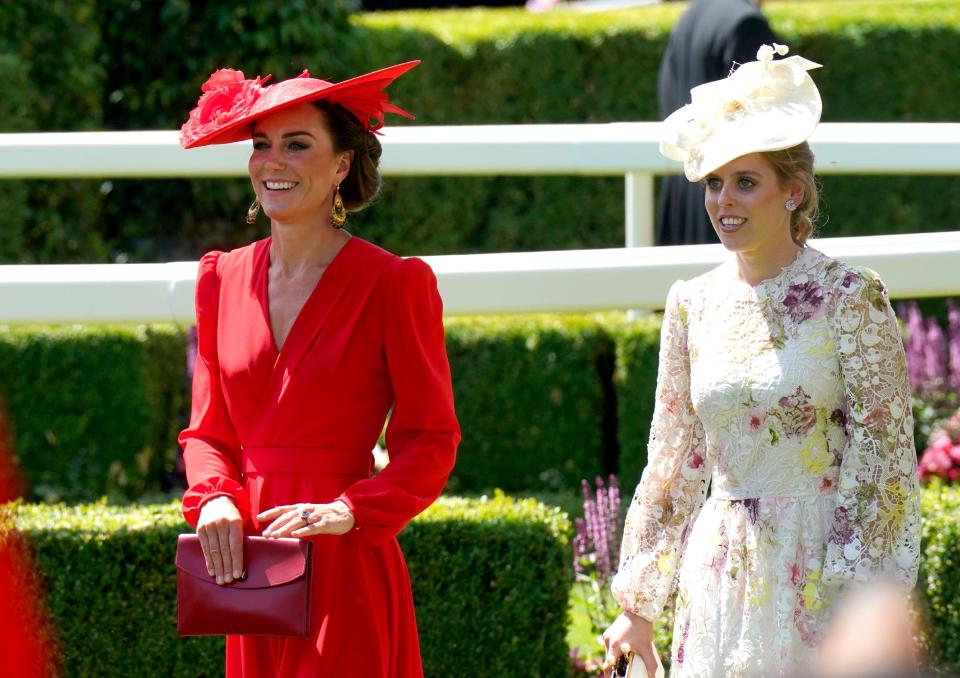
(271, 599)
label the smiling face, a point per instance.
(745, 202)
(294, 167)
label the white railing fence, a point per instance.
(633, 277)
(629, 150)
(577, 280)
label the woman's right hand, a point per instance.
(637, 634)
(220, 530)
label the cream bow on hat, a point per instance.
(765, 105)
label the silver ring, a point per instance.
(305, 516)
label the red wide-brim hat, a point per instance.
(230, 104)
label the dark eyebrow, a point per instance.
(285, 136)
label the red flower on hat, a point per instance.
(226, 97)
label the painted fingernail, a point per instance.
(219, 580)
(228, 579)
(237, 574)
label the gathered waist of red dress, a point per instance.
(306, 460)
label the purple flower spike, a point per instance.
(935, 356)
(913, 346)
(599, 532)
(953, 340)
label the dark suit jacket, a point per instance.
(709, 40)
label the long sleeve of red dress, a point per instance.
(211, 449)
(423, 433)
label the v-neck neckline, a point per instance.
(264, 278)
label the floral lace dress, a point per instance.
(789, 402)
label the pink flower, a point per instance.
(942, 456)
(673, 404)
(842, 532)
(796, 575)
(226, 97)
(754, 419)
(796, 413)
(803, 301)
(877, 417)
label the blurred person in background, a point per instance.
(781, 467)
(306, 339)
(873, 634)
(25, 643)
(711, 38)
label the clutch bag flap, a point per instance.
(273, 597)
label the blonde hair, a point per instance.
(796, 164)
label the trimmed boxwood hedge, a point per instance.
(939, 583)
(490, 577)
(94, 411)
(637, 359)
(884, 61)
(529, 399)
(490, 582)
(53, 82)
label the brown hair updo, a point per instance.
(362, 183)
(796, 164)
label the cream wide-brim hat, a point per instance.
(765, 105)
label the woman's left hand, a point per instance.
(288, 521)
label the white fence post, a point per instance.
(639, 209)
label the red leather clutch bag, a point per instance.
(273, 598)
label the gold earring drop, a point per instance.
(253, 211)
(338, 216)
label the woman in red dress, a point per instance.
(307, 338)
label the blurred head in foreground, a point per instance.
(873, 634)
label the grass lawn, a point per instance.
(580, 632)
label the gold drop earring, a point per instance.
(253, 210)
(338, 216)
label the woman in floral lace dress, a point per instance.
(781, 462)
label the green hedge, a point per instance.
(885, 61)
(530, 401)
(94, 411)
(939, 581)
(638, 346)
(53, 82)
(490, 580)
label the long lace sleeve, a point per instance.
(876, 529)
(674, 483)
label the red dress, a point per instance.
(271, 428)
